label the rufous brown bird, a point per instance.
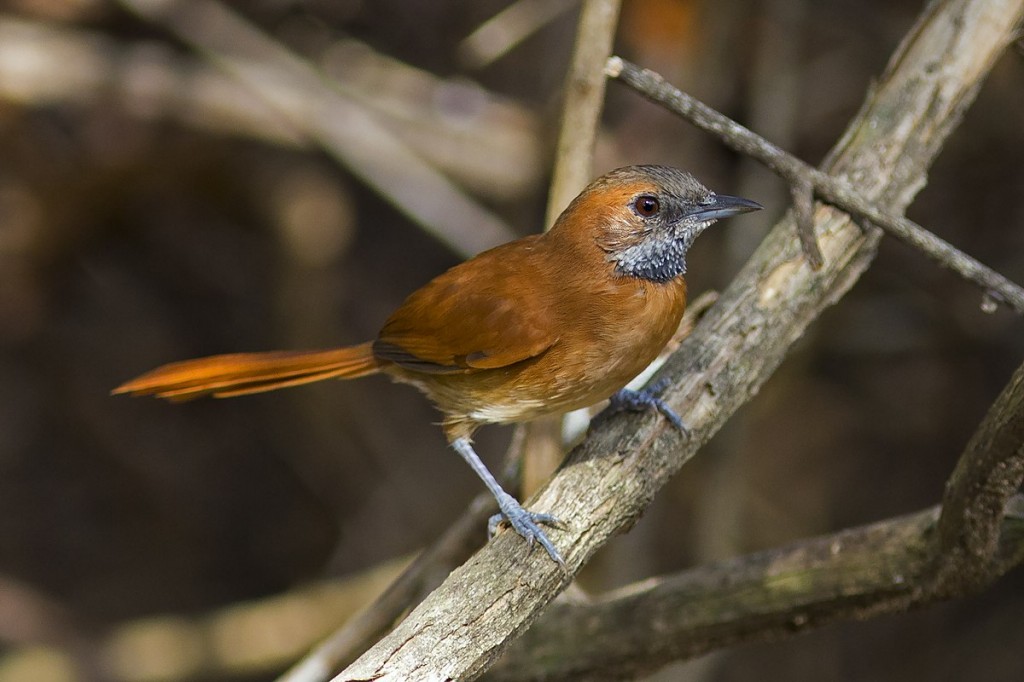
(544, 324)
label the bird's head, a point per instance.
(646, 217)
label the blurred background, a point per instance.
(281, 173)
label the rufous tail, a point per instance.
(224, 376)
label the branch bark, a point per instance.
(943, 552)
(605, 484)
(977, 494)
(857, 573)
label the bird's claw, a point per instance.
(527, 524)
(645, 399)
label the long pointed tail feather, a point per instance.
(224, 376)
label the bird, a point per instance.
(545, 324)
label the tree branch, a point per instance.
(977, 494)
(767, 596)
(975, 537)
(605, 484)
(805, 179)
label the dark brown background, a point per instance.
(129, 241)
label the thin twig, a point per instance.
(803, 208)
(832, 189)
(509, 27)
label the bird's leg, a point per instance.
(644, 399)
(524, 522)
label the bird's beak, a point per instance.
(724, 206)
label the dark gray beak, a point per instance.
(724, 206)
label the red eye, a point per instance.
(646, 205)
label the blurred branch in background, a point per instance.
(308, 100)
(508, 28)
(358, 632)
(486, 143)
(249, 638)
(44, 65)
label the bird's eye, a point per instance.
(646, 205)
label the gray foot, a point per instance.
(645, 399)
(526, 523)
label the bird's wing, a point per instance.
(485, 313)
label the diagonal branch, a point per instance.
(605, 484)
(767, 596)
(940, 553)
(989, 472)
(805, 179)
